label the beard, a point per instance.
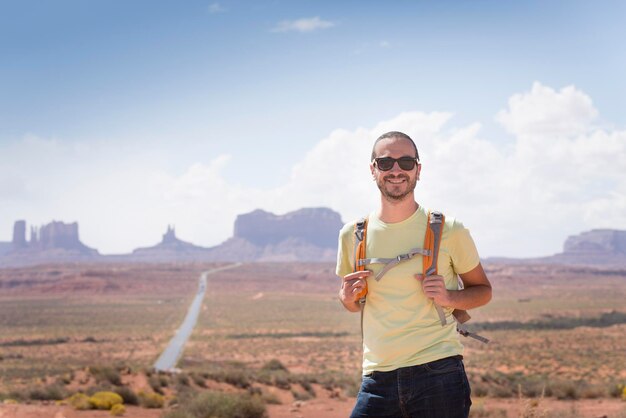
(393, 192)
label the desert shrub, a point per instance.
(79, 401)
(279, 378)
(66, 379)
(238, 378)
(564, 389)
(614, 392)
(105, 400)
(300, 396)
(177, 413)
(151, 400)
(47, 393)
(270, 398)
(592, 391)
(158, 382)
(183, 380)
(220, 405)
(274, 365)
(308, 387)
(479, 411)
(118, 410)
(199, 379)
(106, 374)
(128, 395)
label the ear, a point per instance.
(419, 169)
(373, 170)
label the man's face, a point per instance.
(395, 184)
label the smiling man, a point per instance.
(412, 355)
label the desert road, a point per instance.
(174, 349)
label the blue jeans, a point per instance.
(438, 389)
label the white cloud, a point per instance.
(303, 25)
(518, 200)
(545, 112)
(216, 8)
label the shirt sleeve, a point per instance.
(463, 252)
(345, 247)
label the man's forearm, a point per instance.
(470, 297)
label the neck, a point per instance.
(392, 211)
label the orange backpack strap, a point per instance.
(432, 241)
(360, 242)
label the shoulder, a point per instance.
(347, 231)
(451, 224)
(453, 230)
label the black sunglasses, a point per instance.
(386, 163)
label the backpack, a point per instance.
(429, 253)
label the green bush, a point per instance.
(79, 401)
(220, 405)
(118, 410)
(105, 400)
(151, 400)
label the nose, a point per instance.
(395, 168)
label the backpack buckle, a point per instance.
(403, 257)
(435, 217)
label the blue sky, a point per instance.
(131, 113)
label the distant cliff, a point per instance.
(597, 241)
(595, 247)
(315, 226)
(308, 234)
(605, 247)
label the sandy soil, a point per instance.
(54, 411)
(326, 407)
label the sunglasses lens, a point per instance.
(385, 164)
(406, 164)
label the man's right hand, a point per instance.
(351, 285)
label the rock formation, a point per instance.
(315, 226)
(19, 235)
(53, 237)
(308, 234)
(596, 241)
(598, 247)
(170, 249)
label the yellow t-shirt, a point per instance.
(400, 325)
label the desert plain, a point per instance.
(275, 332)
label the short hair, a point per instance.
(394, 134)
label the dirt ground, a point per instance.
(324, 407)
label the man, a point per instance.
(412, 364)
